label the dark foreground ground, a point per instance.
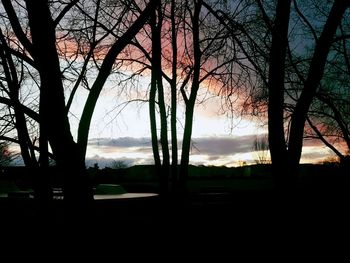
(258, 223)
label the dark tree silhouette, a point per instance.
(312, 82)
(104, 71)
(268, 49)
(42, 50)
(194, 53)
(157, 83)
(276, 89)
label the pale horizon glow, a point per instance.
(124, 135)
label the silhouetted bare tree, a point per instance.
(312, 83)
(261, 148)
(292, 74)
(41, 47)
(195, 52)
(13, 77)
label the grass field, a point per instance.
(229, 212)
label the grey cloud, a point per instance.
(213, 146)
(122, 142)
(223, 145)
(214, 157)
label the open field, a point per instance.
(221, 212)
(220, 225)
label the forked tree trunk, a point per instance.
(315, 74)
(157, 74)
(104, 71)
(285, 161)
(54, 122)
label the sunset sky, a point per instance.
(124, 135)
(120, 131)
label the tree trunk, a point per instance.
(186, 147)
(190, 103)
(285, 161)
(153, 120)
(157, 73)
(152, 112)
(53, 119)
(276, 90)
(173, 117)
(104, 71)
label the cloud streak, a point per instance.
(207, 145)
(228, 151)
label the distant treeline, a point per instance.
(146, 173)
